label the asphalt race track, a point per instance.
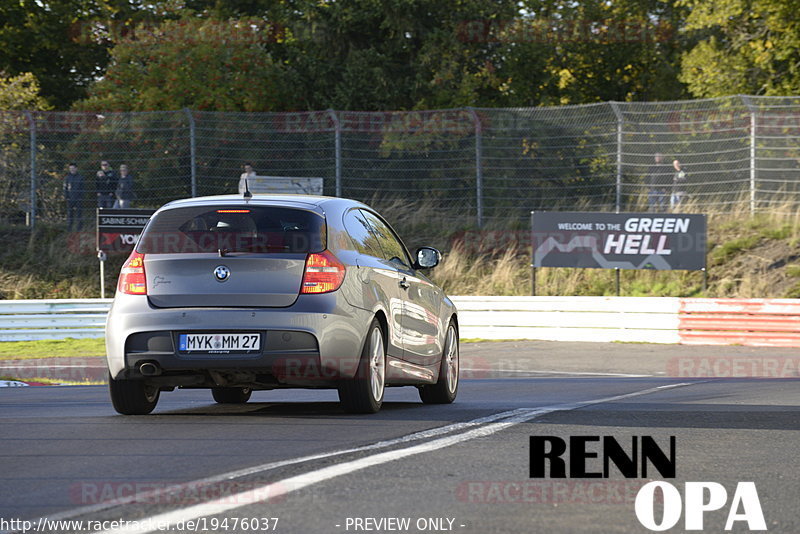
(295, 456)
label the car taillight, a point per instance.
(324, 273)
(132, 280)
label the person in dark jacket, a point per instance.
(678, 185)
(73, 194)
(659, 183)
(106, 185)
(124, 192)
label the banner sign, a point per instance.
(118, 230)
(661, 241)
(282, 184)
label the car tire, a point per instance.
(231, 395)
(445, 389)
(364, 392)
(133, 397)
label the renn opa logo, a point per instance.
(699, 498)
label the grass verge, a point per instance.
(51, 348)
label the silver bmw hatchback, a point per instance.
(235, 294)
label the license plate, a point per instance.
(222, 343)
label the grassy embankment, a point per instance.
(748, 257)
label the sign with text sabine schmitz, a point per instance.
(118, 230)
(661, 241)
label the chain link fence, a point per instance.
(480, 166)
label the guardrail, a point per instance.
(755, 322)
(22, 320)
(632, 319)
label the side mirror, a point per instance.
(427, 258)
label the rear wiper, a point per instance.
(223, 252)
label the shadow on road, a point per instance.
(390, 410)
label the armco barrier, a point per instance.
(756, 322)
(645, 319)
(52, 318)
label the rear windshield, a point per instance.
(258, 229)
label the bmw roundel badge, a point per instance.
(222, 273)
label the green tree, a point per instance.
(260, 56)
(745, 46)
(397, 54)
(591, 51)
(21, 92)
(203, 63)
(62, 42)
(18, 94)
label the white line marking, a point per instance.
(288, 485)
(154, 495)
(542, 372)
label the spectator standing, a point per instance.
(73, 194)
(246, 175)
(659, 182)
(678, 185)
(124, 191)
(106, 185)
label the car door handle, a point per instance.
(404, 284)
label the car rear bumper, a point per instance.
(314, 342)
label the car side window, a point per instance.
(360, 232)
(392, 249)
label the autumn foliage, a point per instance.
(206, 64)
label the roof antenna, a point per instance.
(247, 193)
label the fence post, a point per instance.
(337, 139)
(478, 165)
(32, 211)
(618, 113)
(192, 150)
(752, 163)
(749, 104)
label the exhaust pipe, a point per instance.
(149, 369)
